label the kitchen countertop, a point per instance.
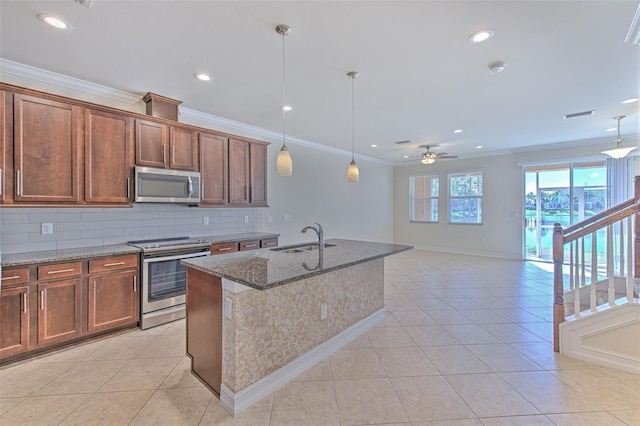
(30, 258)
(265, 268)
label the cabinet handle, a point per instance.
(173, 154)
(224, 249)
(190, 186)
(60, 271)
(24, 302)
(18, 183)
(14, 277)
(164, 154)
(250, 245)
(135, 286)
(129, 188)
(106, 265)
(0, 181)
(42, 296)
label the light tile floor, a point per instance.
(466, 342)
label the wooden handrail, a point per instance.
(607, 220)
(597, 217)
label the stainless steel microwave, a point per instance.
(154, 185)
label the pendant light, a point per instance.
(284, 165)
(353, 174)
(619, 151)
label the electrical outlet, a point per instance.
(47, 229)
(228, 307)
(246, 219)
(323, 311)
(286, 218)
(269, 219)
(205, 220)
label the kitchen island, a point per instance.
(255, 320)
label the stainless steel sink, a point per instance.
(301, 248)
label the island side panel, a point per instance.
(204, 327)
(271, 328)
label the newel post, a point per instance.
(558, 287)
(636, 237)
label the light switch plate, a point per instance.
(47, 228)
(286, 218)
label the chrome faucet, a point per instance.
(318, 231)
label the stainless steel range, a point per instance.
(164, 278)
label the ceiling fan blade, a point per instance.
(447, 156)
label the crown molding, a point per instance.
(38, 74)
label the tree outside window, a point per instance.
(423, 197)
(465, 197)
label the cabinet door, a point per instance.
(151, 143)
(108, 157)
(258, 192)
(46, 135)
(238, 172)
(59, 314)
(14, 327)
(214, 171)
(113, 300)
(184, 149)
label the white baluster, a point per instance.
(576, 291)
(594, 271)
(612, 289)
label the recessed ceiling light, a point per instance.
(54, 22)
(286, 108)
(496, 67)
(611, 129)
(202, 76)
(480, 36)
(458, 131)
(630, 100)
(406, 156)
(374, 146)
(479, 147)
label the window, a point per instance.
(423, 197)
(465, 197)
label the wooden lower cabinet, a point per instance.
(14, 327)
(59, 311)
(112, 300)
(204, 333)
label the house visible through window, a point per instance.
(423, 197)
(465, 197)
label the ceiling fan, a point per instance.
(429, 157)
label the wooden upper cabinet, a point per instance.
(151, 143)
(3, 146)
(238, 172)
(108, 154)
(214, 170)
(258, 175)
(46, 150)
(183, 143)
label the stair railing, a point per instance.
(585, 269)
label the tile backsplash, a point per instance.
(20, 228)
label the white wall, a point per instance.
(501, 233)
(317, 192)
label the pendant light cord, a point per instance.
(353, 117)
(284, 112)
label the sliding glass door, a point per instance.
(560, 193)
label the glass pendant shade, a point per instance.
(618, 152)
(353, 174)
(284, 165)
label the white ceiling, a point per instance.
(419, 80)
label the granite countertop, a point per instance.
(266, 268)
(30, 258)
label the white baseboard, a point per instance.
(468, 252)
(235, 403)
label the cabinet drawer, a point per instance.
(249, 245)
(269, 242)
(59, 270)
(223, 248)
(113, 263)
(15, 276)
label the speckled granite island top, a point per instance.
(267, 268)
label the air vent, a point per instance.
(578, 114)
(403, 142)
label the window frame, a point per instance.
(479, 197)
(413, 198)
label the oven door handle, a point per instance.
(175, 257)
